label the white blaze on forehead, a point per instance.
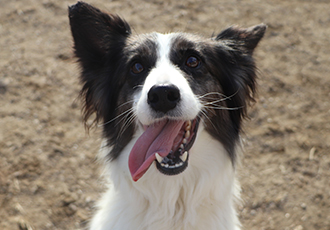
(164, 72)
(164, 42)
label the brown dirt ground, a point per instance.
(48, 175)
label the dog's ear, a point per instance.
(237, 68)
(244, 39)
(99, 40)
(95, 33)
(241, 43)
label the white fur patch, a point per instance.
(202, 197)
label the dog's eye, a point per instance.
(192, 62)
(137, 68)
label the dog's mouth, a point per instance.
(167, 142)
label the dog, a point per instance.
(171, 108)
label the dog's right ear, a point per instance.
(95, 33)
(99, 39)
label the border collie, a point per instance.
(171, 107)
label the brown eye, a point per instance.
(192, 62)
(137, 68)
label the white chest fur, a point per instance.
(202, 197)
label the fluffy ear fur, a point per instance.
(244, 39)
(98, 42)
(236, 72)
(241, 43)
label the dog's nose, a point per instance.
(163, 98)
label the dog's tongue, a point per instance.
(157, 138)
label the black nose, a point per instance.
(163, 98)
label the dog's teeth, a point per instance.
(179, 164)
(188, 125)
(187, 135)
(184, 141)
(181, 146)
(159, 158)
(184, 156)
(166, 165)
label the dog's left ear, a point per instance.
(244, 39)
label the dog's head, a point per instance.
(165, 85)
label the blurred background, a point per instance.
(49, 178)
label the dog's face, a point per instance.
(165, 85)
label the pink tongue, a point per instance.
(158, 138)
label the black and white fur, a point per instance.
(213, 79)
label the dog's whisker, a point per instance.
(123, 127)
(203, 112)
(213, 102)
(127, 123)
(113, 119)
(211, 93)
(223, 108)
(127, 115)
(130, 101)
(219, 94)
